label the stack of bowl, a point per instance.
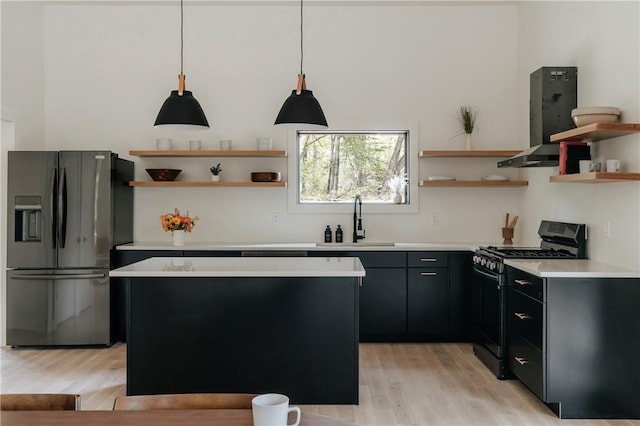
(589, 115)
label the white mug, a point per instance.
(264, 144)
(195, 145)
(163, 144)
(272, 409)
(225, 145)
(613, 165)
(587, 166)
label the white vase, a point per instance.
(397, 198)
(178, 238)
(215, 178)
(467, 142)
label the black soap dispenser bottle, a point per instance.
(339, 234)
(327, 235)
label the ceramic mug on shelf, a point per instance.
(195, 145)
(163, 144)
(273, 409)
(264, 144)
(587, 166)
(225, 145)
(613, 165)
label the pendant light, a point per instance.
(301, 106)
(181, 110)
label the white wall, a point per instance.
(603, 40)
(23, 71)
(371, 65)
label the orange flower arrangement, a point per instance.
(175, 222)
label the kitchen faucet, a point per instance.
(357, 220)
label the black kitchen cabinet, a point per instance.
(574, 342)
(122, 258)
(428, 301)
(460, 277)
(383, 294)
(439, 295)
(400, 299)
(413, 296)
(428, 293)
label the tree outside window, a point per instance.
(335, 167)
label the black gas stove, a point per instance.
(559, 241)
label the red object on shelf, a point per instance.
(570, 154)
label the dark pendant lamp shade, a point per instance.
(181, 110)
(301, 108)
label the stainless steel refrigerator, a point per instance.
(66, 212)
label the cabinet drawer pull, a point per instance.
(522, 316)
(428, 259)
(523, 282)
(428, 274)
(521, 361)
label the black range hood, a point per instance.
(552, 96)
(544, 155)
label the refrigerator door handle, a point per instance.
(56, 276)
(54, 209)
(62, 208)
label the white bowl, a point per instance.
(590, 115)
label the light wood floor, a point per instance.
(400, 384)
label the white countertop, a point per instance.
(185, 267)
(310, 246)
(579, 268)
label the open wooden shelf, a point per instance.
(185, 184)
(476, 183)
(468, 153)
(596, 177)
(596, 132)
(210, 153)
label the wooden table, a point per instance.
(150, 418)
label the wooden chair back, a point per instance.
(187, 401)
(39, 401)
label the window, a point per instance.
(335, 167)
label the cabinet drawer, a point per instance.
(525, 362)
(428, 259)
(525, 317)
(526, 283)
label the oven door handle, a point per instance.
(486, 275)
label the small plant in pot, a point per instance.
(467, 116)
(215, 172)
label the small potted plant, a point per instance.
(215, 172)
(467, 116)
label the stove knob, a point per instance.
(475, 259)
(484, 262)
(492, 265)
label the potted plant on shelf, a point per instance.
(467, 116)
(215, 172)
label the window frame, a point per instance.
(412, 205)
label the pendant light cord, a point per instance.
(301, 37)
(181, 36)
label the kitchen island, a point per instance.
(254, 325)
